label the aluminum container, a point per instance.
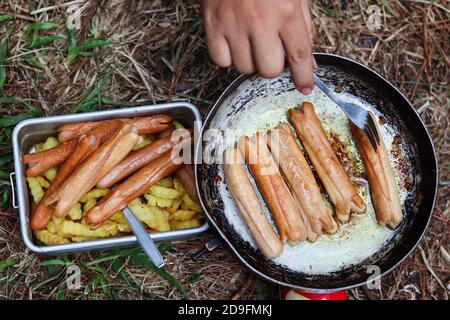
(32, 131)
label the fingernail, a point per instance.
(306, 91)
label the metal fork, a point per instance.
(358, 115)
(143, 237)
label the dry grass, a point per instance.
(157, 55)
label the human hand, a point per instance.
(255, 35)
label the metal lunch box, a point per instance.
(32, 131)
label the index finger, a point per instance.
(299, 54)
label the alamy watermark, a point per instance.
(73, 17)
(374, 280)
(73, 277)
(373, 22)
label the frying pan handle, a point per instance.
(13, 190)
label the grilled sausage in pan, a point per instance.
(249, 206)
(383, 188)
(301, 181)
(274, 190)
(330, 171)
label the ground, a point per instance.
(153, 51)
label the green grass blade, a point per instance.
(55, 262)
(39, 26)
(4, 175)
(4, 159)
(72, 40)
(5, 17)
(141, 259)
(93, 43)
(43, 40)
(3, 58)
(195, 278)
(7, 100)
(13, 120)
(103, 259)
(85, 48)
(4, 198)
(7, 263)
(31, 60)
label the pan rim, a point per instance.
(199, 151)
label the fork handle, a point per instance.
(322, 86)
(143, 238)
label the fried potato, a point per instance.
(118, 217)
(124, 227)
(183, 215)
(51, 142)
(122, 223)
(89, 204)
(76, 229)
(151, 199)
(162, 218)
(43, 182)
(54, 225)
(38, 147)
(175, 205)
(166, 182)
(51, 173)
(94, 193)
(178, 185)
(189, 204)
(159, 202)
(36, 189)
(146, 140)
(165, 193)
(178, 125)
(187, 224)
(76, 213)
(48, 238)
(154, 217)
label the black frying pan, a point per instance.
(387, 101)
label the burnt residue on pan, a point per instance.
(417, 162)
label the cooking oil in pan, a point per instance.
(356, 240)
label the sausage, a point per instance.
(187, 178)
(54, 157)
(132, 188)
(289, 157)
(137, 160)
(145, 125)
(274, 190)
(249, 206)
(166, 132)
(382, 184)
(93, 169)
(43, 213)
(50, 158)
(330, 171)
(151, 124)
(101, 130)
(71, 130)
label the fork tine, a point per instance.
(372, 139)
(370, 135)
(373, 126)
